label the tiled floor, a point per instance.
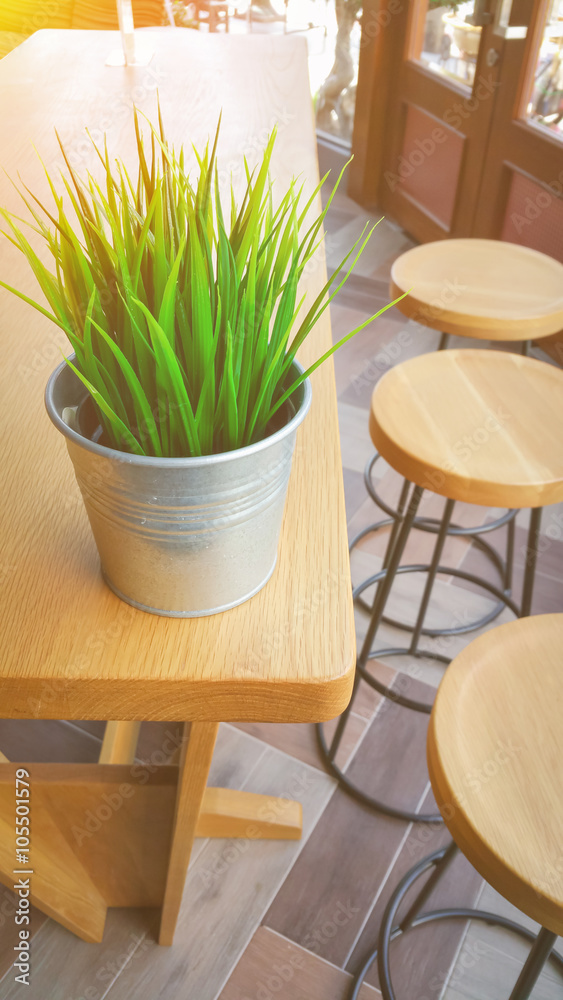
(295, 920)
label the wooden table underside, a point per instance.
(70, 648)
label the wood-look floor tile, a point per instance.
(354, 491)
(300, 740)
(295, 739)
(328, 894)
(158, 741)
(63, 966)
(422, 959)
(96, 729)
(342, 201)
(367, 700)
(450, 607)
(46, 741)
(367, 295)
(401, 345)
(491, 958)
(383, 271)
(384, 240)
(355, 442)
(548, 586)
(420, 545)
(274, 967)
(367, 356)
(336, 218)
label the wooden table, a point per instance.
(70, 648)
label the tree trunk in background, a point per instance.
(342, 72)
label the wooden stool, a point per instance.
(484, 289)
(509, 828)
(481, 427)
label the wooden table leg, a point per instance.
(112, 835)
(120, 743)
(215, 812)
(194, 768)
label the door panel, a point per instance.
(522, 187)
(533, 216)
(440, 120)
(429, 164)
(468, 139)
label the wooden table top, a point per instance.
(70, 648)
(481, 288)
(478, 426)
(495, 745)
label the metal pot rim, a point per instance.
(187, 461)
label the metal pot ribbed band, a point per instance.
(167, 516)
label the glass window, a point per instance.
(546, 100)
(449, 43)
(333, 65)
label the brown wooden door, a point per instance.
(446, 146)
(521, 193)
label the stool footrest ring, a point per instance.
(395, 811)
(389, 931)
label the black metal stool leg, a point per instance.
(432, 569)
(394, 560)
(432, 526)
(509, 563)
(448, 854)
(332, 749)
(393, 534)
(531, 560)
(386, 578)
(542, 944)
(435, 562)
(443, 341)
(535, 962)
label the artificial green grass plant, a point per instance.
(183, 317)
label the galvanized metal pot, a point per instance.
(179, 536)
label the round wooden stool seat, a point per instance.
(481, 288)
(482, 427)
(495, 756)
